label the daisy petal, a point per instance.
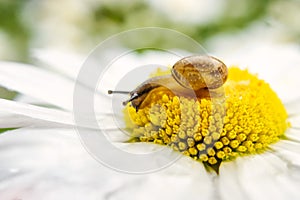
(51, 116)
(293, 134)
(184, 179)
(26, 114)
(51, 165)
(229, 186)
(64, 62)
(274, 62)
(54, 165)
(17, 121)
(38, 83)
(293, 108)
(266, 177)
(287, 145)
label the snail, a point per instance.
(194, 75)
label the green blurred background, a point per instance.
(79, 25)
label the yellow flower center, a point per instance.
(247, 121)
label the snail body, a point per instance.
(194, 75)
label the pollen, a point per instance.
(245, 120)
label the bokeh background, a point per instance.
(77, 26)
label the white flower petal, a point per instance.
(52, 164)
(287, 83)
(275, 63)
(228, 184)
(184, 179)
(70, 64)
(289, 149)
(263, 52)
(64, 62)
(292, 134)
(266, 176)
(38, 83)
(293, 108)
(44, 85)
(26, 114)
(17, 121)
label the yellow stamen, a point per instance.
(246, 121)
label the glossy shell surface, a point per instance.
(199, 72)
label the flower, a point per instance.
(42, 158)
(212, 131)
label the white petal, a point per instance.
(266, 176)
(287, 84)
(292, 160)
(184, 179)
(38, 83)
(70, 64)
(44, 85)
(66, 63)
(292, 134)
(17, 121)
(289, 149)
(111, 76)
(263, 53)
(275, 63)
(52, 164)
(27, 114)
(16, 114)
(293, 109)
(35, 112)
(229, 187)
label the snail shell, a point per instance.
(199, 72)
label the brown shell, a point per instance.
(198, 72)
